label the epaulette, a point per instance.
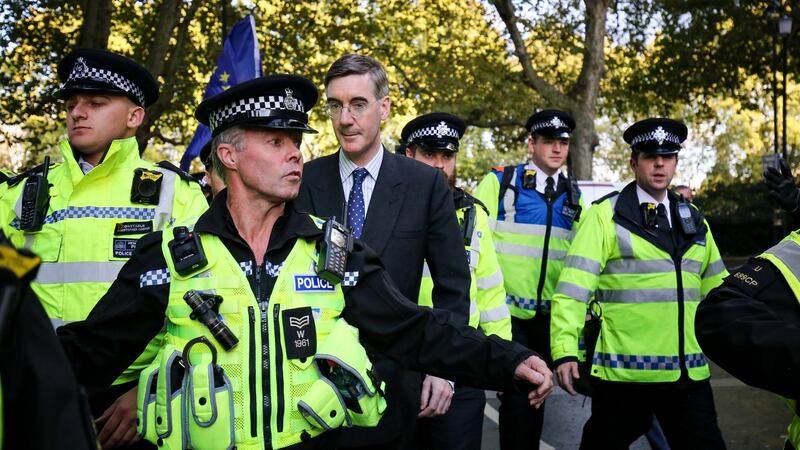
(13, 181)
(609, 195)
(186, 176)
(475, 201)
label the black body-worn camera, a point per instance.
(333, 250)
(529, 179)
(35, 199)
(146, 187)
(205, 309)
(468, 224)
(186, 251)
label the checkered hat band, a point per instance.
(83, 72)
(651, 136)
(255, 107)
(433, 132)
(546, 124)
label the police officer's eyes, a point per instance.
(358, 107)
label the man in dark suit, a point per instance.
(401, 208)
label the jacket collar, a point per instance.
(119, 152)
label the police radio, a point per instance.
(468, 224)
(186, 251)
(529, 179)
(685, 215)
(333, 250)
(35, 199)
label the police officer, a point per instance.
(750, 325)
(645, 258)
(212, 179)
(100, 200)
(535, 209)
(433, 139)
(255, 293)
(41, 405)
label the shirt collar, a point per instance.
(85, 166)
(292, 224)
(644, 197)
(541, 177)
(346, 166)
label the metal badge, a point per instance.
(555, 122)
(289, 101)
(660, 135)
(79, 70)
(442, 130)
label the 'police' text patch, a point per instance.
(299, 333)
(311, 283)
(123, 248)
(124, 228)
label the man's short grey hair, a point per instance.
(352, 64)
(232, 136)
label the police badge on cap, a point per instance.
(274, 102)
(93, 70)
(656, 135)
(551, 123)
(434, 131)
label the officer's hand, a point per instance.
(436, 396)
(534, 370)
(566, 372)
(119, 428)
(782, 187)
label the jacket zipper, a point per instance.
(279, 363)
(265, 394)
(252, 375)
(681, 312)
(545, 251)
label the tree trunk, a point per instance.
(96, 25)
(581, 99)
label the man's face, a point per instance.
(94, 120)
(549, 154)
(654, 172)
(357, 135)
(444, 161)
(271, 164)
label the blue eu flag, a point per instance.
(239, 61)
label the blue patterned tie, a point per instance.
(355, 206)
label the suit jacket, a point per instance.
(410, 219)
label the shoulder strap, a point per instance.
(609, 195)
(13, 181)
(505, 183)
(475, 201)
(186, 176)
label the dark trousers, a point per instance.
(520, 423)
(461, 428)
(621, 412)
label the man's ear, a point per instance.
(228, 156)
(135, 117)
(409, 153)
(386, 105)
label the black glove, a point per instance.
(781, 186)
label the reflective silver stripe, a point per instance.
(426, 271)
(693, 266)
(646, 295)
(495, 314)
(473, 307)
(532, 229)
(29, 238)
(18, 206)
(475, 240)
(787, 251)
(631, 266)
(508, 198)
(79, 272)
(624, 242)
(715, 268)
(584, 264)
(574, 291)
(163, 211)
(58, 323)
(490, 281)
(530, 252)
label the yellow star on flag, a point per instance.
(224, 76)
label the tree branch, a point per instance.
(158, 134)
(587, 86)
(505, 8)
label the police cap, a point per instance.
(277, 102)
(434, 131)
(94, 70)
(551, 123)
(656, 135)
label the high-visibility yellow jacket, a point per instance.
(255, 395)
(531, 237)
(647, 287)
(487, 309)
(92, 226)
(785, 256)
